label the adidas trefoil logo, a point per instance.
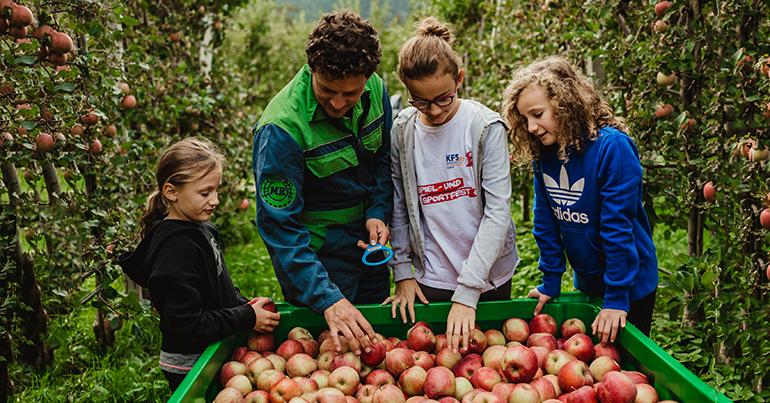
(562, 193)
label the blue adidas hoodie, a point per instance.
(591, 210)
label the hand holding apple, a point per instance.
(266, 321)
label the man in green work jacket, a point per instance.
(321, 163)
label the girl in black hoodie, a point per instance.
(179, 260)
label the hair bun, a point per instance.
(432, 27)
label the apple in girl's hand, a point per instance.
(270, 306)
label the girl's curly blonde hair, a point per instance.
(578, 111)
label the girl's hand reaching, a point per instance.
(541, 300)
(605, 326)
(460, 322)
(266, 320)
(406, 290)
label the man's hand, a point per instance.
(606, 324)
(406, 290)
(378, 233)
(541, 299)
(345, 318)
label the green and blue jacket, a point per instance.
(313, 172)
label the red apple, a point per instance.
(244, 205)
(229, 395)
(646, 394)
(462, 387)
(477, 341)
(764, 218)
(260, 342)
(495, 337)
(96, 147)
(709, 193)
(660, 26)
(448, 358)
(492, 356)
(484, 396)
(365, 394)
(661, 7)
(284, 390)
(585, 394)
(503, 389)
(21, 16)
(485, 378)
(519, 364)
(546, 340)
(278, 362)
(516, 329)
(325, 360)
(77, 130)
(574, 375)
(89, 119)
(45, 142)
(439, 381)
(321, 377)
(376, 354)
(310, 346)
(128, 102)
(421, 338)
(231, 369)
(258, 366)
(424, 359)
(636, 376)
(249, 357)
(329, 395)
(580, 346)
(398, 360)
(300, 364)
(467, 366)
(238, 353)
(616, 388)
(572, 326)
(269, 378)
(288, 348)
(541, 353)
(257, 396)
(663, 111)
(441, 343)
(544, 387)
(61, 43)
(388, 394)
(412, 381)
(345, 379)
(609, 350)
(349, 359)
(306, 385)
(524, 393)
(379, 377)
(601, 366)
(543, 323)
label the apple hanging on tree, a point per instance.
(709, 193)
(764, 218)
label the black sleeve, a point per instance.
(185, 295)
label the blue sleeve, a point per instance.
(381, 199)
(548, 237)
(620, 178)
(278, 160)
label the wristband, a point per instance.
(376, 248)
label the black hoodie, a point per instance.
(182, 265)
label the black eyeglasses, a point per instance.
(441, 102)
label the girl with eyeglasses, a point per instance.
(452, 188)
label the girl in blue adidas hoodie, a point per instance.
(588, 194)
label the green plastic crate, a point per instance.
(672, 380)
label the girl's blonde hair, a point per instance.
(578, 111)
(428, 52)
(185, 161)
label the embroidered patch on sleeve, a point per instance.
(277, 191)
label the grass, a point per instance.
(128, 371)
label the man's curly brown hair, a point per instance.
(578, 111)
(343, 45)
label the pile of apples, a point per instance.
(521, 363)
